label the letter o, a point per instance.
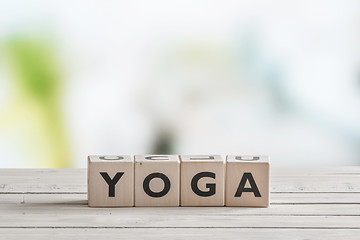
(146, 185)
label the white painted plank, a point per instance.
(306, 204)
(303, 171)
(187, 233)
(323, 183)
(315, 198)
(72, 212)
(43, 180)
(276, 198)
(74, 181)
(9, 202)
(346, 170)
(68, 205)
(169, 219)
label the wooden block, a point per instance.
(110, 181)
(157, 180)
(202, 180)
(247, 181)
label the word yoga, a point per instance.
(172, 180)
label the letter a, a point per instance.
(253, 188)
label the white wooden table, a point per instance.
(305, 204)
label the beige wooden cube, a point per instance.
(247, 181)
(202, 180)
(157, 180)
(110, 181)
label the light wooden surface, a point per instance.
(305, 204)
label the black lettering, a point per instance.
(253, 188)
(202, 158)
(164, 157)
(254, 158)
(146, 185)
(210, 186)
(111, 182)
(111, 158)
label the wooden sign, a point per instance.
(172, 180)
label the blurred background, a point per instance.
(280, 78)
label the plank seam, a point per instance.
(92, 227)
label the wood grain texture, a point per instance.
(178, 233)
(282, 180)
(247, 181)
(202, 180)
(164, 174)
(316, 203)
(276, 198)
(107, 171)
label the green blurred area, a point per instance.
(36, 81)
